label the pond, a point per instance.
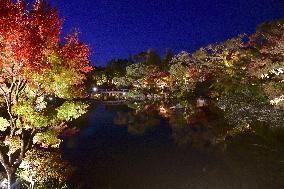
(153, 146)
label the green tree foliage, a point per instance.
(180, 75)
(122, 82)
(44, 169)
(224, 66)
(99, 77)
(140, 75)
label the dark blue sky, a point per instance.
(117, 28)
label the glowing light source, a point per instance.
(95, 89)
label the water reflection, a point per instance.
(175, 146)
(199, 126)
(139, 120)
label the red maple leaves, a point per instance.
(28, 37)
(76, 54)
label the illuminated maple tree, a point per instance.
(267, 59)
(36, 68)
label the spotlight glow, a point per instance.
(95, 89)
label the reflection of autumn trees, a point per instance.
(138, 120)
(242, 151)
(202, 127)
(199, 127)
(208, 126)
(190, 125)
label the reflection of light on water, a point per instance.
(198, 148)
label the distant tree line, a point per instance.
(244, 75)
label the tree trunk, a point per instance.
(11, 174)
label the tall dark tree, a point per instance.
(152, 58)
(117, 67)
(167, 59)
(139, 58)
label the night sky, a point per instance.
(118, 28)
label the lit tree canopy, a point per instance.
(44, 169)
(36, 69)
(267, 59)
